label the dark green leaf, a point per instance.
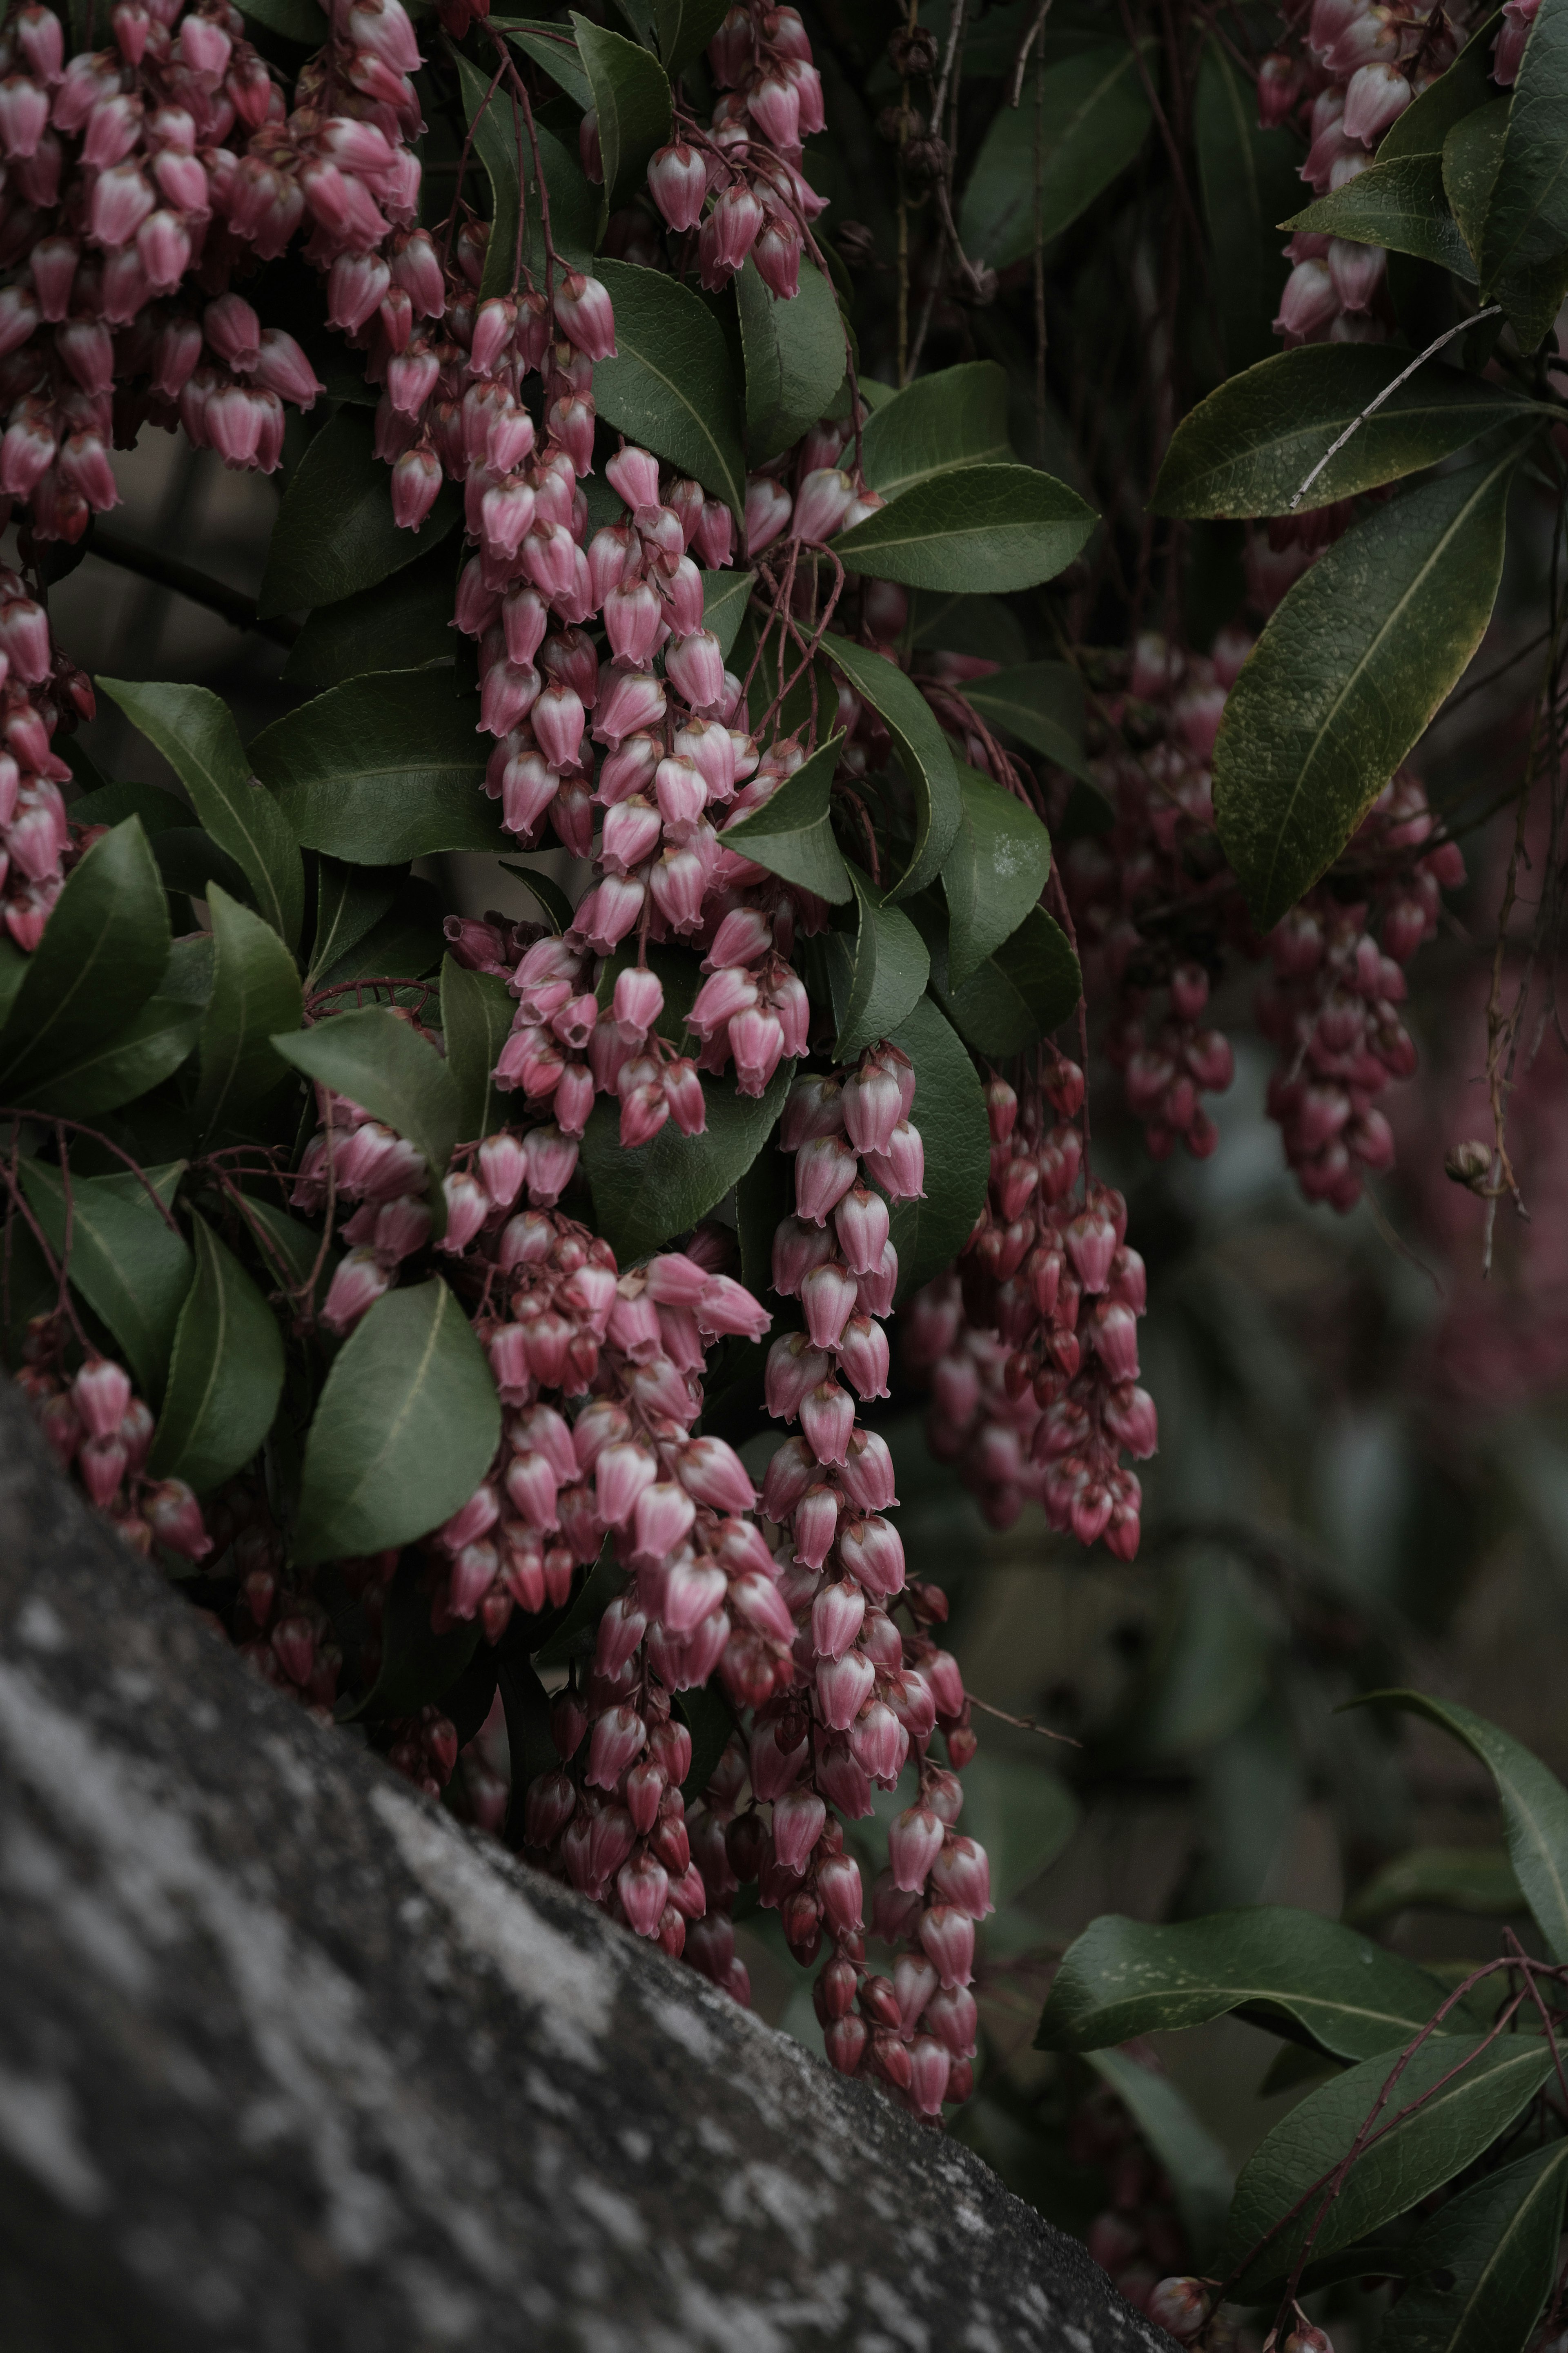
(1248, 448)
(132, 1271)
(102, 957)
(1348, 674)
(671, 385)
(497, 130)
(527, 1706)
(956, 417)
(994, 873)
(407, 1426)
(1248, 178)
(189, 974)
(1524, 244)
(685, 29)
(794, 358)
(983, 530)
(148, 1050)
(256, 990)
(476, 1012)
(552, 899)
(1424, 126)
(225, 1374)
(1400, 205)
(923, 751)
(1471, 154)
(379, 1063)
(1095, 118)
(288, 1252)
(349, 901)
(1534, 1808)
(418, 1667)
(710, 1721)
(190, 861)
(1483, 2267)
(382, 769)
(725, 595)
(572, 1636)
(551, 47)
(109, 803)
(1411, 2159)
(950, 1112)
(792, 834)
(1021, 993)
(1200, 2174)
(334, 536)
(404, 623)
(195, 733)
(641, 1198)
(878, 974)
(1041, 704)
(298, 20)
(1292, 1971)
(982, 626)
(404, 945)
(1475, 1879)
(631, 96)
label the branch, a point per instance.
(231, 604)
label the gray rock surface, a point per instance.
(290, 2062)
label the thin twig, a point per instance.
(1374, 405)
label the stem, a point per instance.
(231, 604)
(1374, 405)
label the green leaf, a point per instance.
(794, 358)
(1247, 179)
(1484, 2266)
(685, 29)
(879, 978)
(1400, 205)
(1478, 1880)
(725, 595)
(110, 804)
(476, 1012)
(983, 530)
(950, 1112)
(1524, 243)
(102, 957)
(1534, 1807)
(148, 1050)
(956, 417)
(299, 21)
(289, 1252)
(1471, 154)
(1248, 448)
(132, 1271)
(256, 990)
(551, 47)
(334, 536)
(1095, 118)
(349, 901)
(1041, 704)
(994, 873)
(1347, 675)
(641, 1198)
(404, 623)
(382, 769)
(195, 730)
(1425, 125)
(792, 834)
(923, 753)
(397, 1076)
(551, 899)
(1410, 2160)
(1293, 1972)
(190, 861)
(418, 1667)
(225, 1374)
(404, 943)
(495, 129)
(671, 386)
(1201, 2179)
(631, 95)
(407, 1426)
(1021, 993)
(499, 135)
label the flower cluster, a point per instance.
(1137, 2236)
(99, 1429)
(37, 689)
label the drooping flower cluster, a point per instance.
(100, 1431)
(37, 687)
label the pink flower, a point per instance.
(871, 1551)
(838, 1614)
(677, 180)
(947, 1936)
(843, 1686)
(583, 311)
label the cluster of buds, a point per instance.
(1032, 1346)
(100, 1432)
(1358, 67)
(1137, 2236)
(37, 689)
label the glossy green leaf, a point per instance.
(349, 901)
(299, 21)
(195, 730)
(102, 957)
(1022, 992)
(404, 943)
(111, 804)
(549, 897)
(1534, 1807)
(403, 623)
(994, 874)
(792, 834)
(382, 769)
(950, 1112)
(1293, 1972)
(879, 971)
(1201, 2180)
(725, 595)
(334, 535)
(794, 358)
(133, 1271)
(150, 1048)
(404, 1431)
(1039, 704)
(685, 28)
(225, 1374)
(1478, 1880)
(287, 1251)
(1246, 177)
(498, 137)
(955, 417)
(983, 530)
(671, 386)
(631, 96)
(1095, 118)
(256, 990)
(551, 47)
(1448, 2132)
(1247, 449)
(477, 1012)
(1400, 205)
(379, 1063)
(1471, 154)
(642, 1199)
(1524, 243)
(1482, 2269)
(923, 753)
(1425, 125)
(1348, 674)
(190, 861)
